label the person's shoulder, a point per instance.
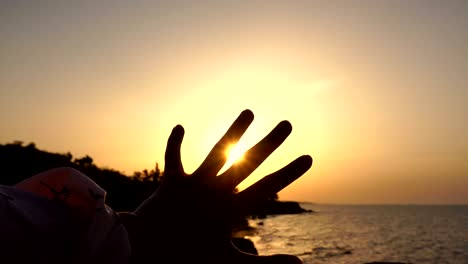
(32, 209)
(29, 225)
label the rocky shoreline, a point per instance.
(269, 208)
(275, 207)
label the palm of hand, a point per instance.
(189, 217)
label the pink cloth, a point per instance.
(65, 209)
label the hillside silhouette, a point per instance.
(124, 192)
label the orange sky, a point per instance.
(376, 91)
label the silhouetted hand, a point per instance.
(188, 219)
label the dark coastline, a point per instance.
(269, 208)
(275, 207)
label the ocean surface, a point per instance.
(362, 234)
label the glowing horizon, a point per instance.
(375, 91)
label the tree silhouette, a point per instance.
(124, 193)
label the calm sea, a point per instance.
(362, 234)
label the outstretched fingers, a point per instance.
(217, 158)
(173, 163)
(255, 156)
(247, 200)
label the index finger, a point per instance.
(216, 158)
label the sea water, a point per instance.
(362, 234)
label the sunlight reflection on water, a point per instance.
(360, 234)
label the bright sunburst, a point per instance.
(235, 153)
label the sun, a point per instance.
(234, 153)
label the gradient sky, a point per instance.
(376, 91)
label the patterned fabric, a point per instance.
(60, 216)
